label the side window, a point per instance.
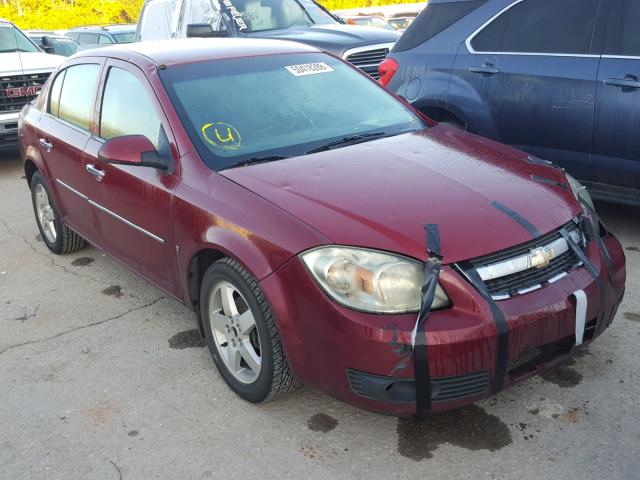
(435, 18)
(541, 26)
(127, 108)
(88, 38)
(54, 97)
(629, 38)
(77, 99)
(103, 39)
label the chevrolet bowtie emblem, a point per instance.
(541, 257)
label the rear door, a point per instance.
(616, 139)
(528, 78)
(63, 133)
(132, 204)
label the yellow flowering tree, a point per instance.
(62, 14)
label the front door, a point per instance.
(616, 145)
(532, 72)
(132, 204)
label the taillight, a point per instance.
(386, 70)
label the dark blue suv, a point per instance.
(559, 79)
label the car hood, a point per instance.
(380, 194)
(335, 38)
(17, 63)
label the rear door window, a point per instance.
(629, 37)
(54, 97)
(433, 20)
(77, 99)
(541, 26)
(103, 39)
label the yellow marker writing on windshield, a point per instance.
(224, 136)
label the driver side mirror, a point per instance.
(204, 30)
(134, 150)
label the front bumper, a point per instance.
(366, 359)
(9, 130)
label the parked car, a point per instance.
(520, 73)
(300, 20)
(103, 34)
(292, 223)
(49, 42)
(400, 23)
(367, 21)
(24, 68)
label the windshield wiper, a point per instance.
(350, 140)
(256, 160)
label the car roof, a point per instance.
(190, 50)
(106, 28)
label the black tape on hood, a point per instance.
(419, 335)
(523, 222)
(549, 181)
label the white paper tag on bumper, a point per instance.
(309, 69)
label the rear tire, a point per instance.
(58, 238)
(241, 334)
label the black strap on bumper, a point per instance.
(419, 335)
(502, 329)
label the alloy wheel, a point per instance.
(46, 217)
(235, 332)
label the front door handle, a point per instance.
(44, 143)
(628, 82)
(99, 174)
(486, 69)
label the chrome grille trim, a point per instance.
(523, 262)
(527, 267)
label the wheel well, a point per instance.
(29, 169)
(197, 267)
(442, 115)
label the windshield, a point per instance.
(263, 108)
(125, 37)
(13, 40)
(260, 15)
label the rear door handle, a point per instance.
(487, 69)
(623, 82)
(44, 143)
(99, 174)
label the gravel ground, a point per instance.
(102, 376)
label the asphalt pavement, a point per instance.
(104, 377)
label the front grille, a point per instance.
(445, 389)
(368, 60)
(530, 278)
(403, 390)
(15, 103)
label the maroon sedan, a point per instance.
(322, 230)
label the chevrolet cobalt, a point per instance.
(321, 229)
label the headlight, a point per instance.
(370, 281)
(579, 191)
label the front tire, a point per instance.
(58, 238)
(241, 334)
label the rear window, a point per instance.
(433, 20)
(313, 100)
(541, 26)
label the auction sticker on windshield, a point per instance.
(309, 69)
